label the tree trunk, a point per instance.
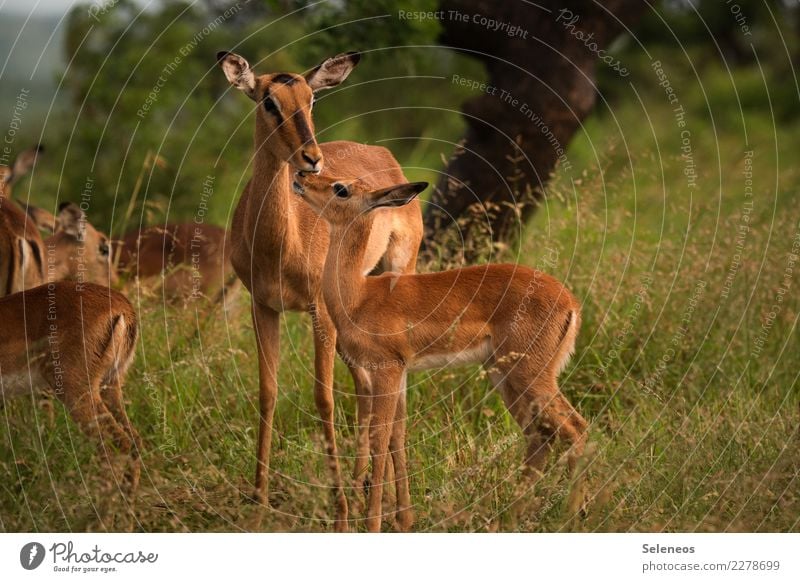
(541, 88)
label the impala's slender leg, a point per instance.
(363, 387)
(324, 356)
(543, 414)
(554, 417)
(559, 418)
(266, 322)
(522, 407)
(390, 493)
(361, 480)
(386, 390)
(397, 444)
(112, 396)
(88, 410)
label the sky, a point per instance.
(44, 7)
(48, 7)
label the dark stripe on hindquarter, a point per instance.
(132, 332)
(13, 260)
(37, 256)
(565, 328)
(102, 349)
(18, 268)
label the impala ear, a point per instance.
(395, 196)
(23, 163)
(332, 71)
(71, 220)
(42, 219)
(238, 72)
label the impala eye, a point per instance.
(341, 190)
(269, 106)
(104, 250)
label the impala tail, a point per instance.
(120, 348)
(566, 347)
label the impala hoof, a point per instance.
(404, 520)
(259, 497)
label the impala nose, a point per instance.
(313, 160)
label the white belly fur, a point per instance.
(476, 355)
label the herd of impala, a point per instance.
(330, 229)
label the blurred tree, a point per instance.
(542, 77)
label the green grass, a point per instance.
(692, 428)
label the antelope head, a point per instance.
(285, 101)
(77, 251)
(340, 202)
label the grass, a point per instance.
(686, 371)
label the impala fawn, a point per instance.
(279, 245)
(74, 341)
(519, 323)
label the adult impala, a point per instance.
(519, 323)
(279, 244)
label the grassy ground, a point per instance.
(686, 367)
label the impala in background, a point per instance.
(75, 342)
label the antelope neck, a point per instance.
(342, 277)
(270, 203)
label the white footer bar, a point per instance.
(389, 557)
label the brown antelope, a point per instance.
(77, 251)
(190, 259)
(74, 341)
(279, 245)
(519, 323)
(21, 264)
